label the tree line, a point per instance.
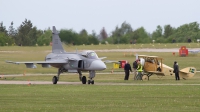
(28, 35)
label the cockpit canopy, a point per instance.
(89, 54)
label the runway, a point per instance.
(125, 50)
(10, 81)
(146, 50)
(36, 82)
(80, 83)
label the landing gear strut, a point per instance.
(149, 74)
(84, 80)
(56, 78)
(91, 75)
(80, 75)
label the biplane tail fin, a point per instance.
(187, 72)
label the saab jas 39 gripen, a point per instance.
(75, 62)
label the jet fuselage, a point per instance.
(76, 61)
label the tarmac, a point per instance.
(80, 83)
(130, 50)
(10, 81)
(146, 50)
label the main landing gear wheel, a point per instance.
(84, 80)
(91, 81)
(55, 80)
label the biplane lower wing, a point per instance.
(157, 73)
(150, 73)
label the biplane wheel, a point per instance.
(55, 80)
(144, 77)
(84, 80)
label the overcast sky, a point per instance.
(96, 14)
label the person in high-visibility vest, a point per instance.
(139, 69)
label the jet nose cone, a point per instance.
(97, 65)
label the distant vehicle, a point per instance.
(194, 51)
(69, 61)
(154, 65)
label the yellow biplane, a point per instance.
(154, 65)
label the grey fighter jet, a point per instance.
(69, 61)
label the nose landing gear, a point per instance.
(91, 81)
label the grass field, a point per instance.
(16, 53)
(147, 96)
(157, 94)
(84, 98)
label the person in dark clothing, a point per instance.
(176, 70)
(173, 41)
(135, 65)
(127, 69)
(189, 40)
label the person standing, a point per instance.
(189, 40)
(176, 70)
(127, 69)
(135, 65)
(139, 69)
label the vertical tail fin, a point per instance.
(56, 43)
